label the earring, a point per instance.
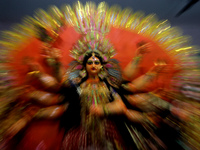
(83, 73)
(102, 74)
(101, 68)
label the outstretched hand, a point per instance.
(143, 49)
(52, 55)
(51, 52)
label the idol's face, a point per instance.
(93, 66)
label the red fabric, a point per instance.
(42, 135)
(68, 37)
(28, 49)
(125, 41)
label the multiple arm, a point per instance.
(49, 104)
(132, 68)
(52, 84)
(143, 101)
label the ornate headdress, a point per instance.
(91, 24)
(93, 27)
(93, 41)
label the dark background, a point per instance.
(12, 11)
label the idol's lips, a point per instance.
(94, 69)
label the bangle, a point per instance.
(51, 61)
(36, 73)
(151, 74)
(137, 59)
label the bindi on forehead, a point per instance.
(93, 58)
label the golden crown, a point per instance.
(92, 41)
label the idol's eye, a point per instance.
(89, 62)
(96, 62)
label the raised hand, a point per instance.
(132, 68)
(51, 55)
(143, 48)
(52, 58)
